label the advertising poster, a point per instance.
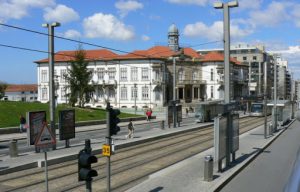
(179, 113)
(66, 124)
(170, 114)
(235, 133)
(36, 120)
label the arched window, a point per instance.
(180, 75)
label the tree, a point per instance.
(78, 78)
(3, 86)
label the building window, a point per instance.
(254, 58)
(123, 93)
(44, 76)
(111, 93)
(100, 73)
(63, 74)
(145, 93)
(44, 94)
(180, 75)
(63, 93)
(111, 73)
(244, 58)
(134, 93)
(134, 73)
(211, 91)
(157, 95)
(123, 74)
(100, 94)
(211, 74)
(196, 92)
(145, 73)
(195, 75)
(156, 75)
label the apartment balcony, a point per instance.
(105, 82)
(188, 82)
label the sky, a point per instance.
(129, 25)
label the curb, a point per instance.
(220, 187)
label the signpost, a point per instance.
(41, 136)
(67, 125)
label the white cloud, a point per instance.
(215, 31)
(296, 15)
(72, 34)
(106, 26)
(246, 4)
(192, 2)
(126, 6)
(60, 13)
(17, 9)
(145, 38)
(273, 15)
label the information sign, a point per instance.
(45, 138)
(35, 120)
(220, 125)
(106, 150)
(66, 124)
(170, 114)
(235, 133)
(179, 113)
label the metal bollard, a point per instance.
(162, 125)
(13, 148)
(208, 168)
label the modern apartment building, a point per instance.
(254, 57)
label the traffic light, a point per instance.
(113, 121)
(85, 159)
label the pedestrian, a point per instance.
(130, 129)
(148, 115)
(22, 123)
(187, 112)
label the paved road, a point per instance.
(271, 170)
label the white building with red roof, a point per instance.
(142, 78)
(24, 92)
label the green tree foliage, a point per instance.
(3, 86)
(78, 78)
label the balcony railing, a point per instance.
(186, 82)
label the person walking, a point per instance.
(148, 115)
(130, 129)
(187, 112)
(22, 123)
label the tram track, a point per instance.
(144, 158)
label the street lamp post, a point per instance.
(51, 73)
(174, 92)
(227, 83)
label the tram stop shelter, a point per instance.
(284, 110)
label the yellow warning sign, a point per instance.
(106, 150)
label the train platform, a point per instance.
(188, 175)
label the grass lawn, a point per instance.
(10, 112)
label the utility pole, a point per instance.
(51, 73)
(275, 94)
(225, 7)
(174, 92)
(108, 142)
(265, 98)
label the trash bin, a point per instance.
(162, 124)
(208, 168)
(13, 148)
